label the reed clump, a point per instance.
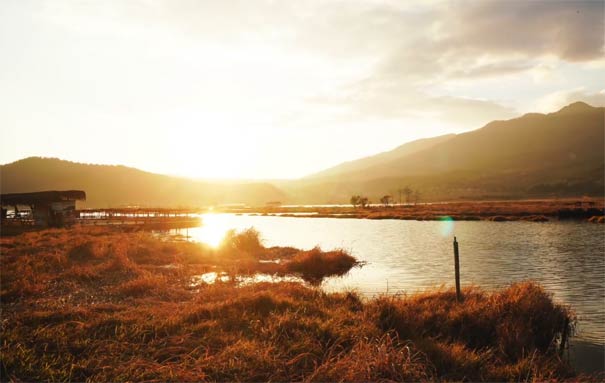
(315, 265)
(488, 334)
(90, 304)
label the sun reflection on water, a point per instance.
(242, 280)
(213, 229)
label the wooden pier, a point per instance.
(146, 217)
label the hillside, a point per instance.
(113, 186)
(378, 159)
(536, 155)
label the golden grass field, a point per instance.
(102, 304)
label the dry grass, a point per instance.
(504, 327)
(101, 305)
(597, 219)
(315, 265)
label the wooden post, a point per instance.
(564, 336)
(457, 270)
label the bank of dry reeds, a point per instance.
(515, 210)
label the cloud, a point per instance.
(390, 98)
(433, 40)
(571, 30)
(492, 38)
(469, 111)
(556, 100)
(467, 41)
(494, 69)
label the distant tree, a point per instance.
(400, 191)
(358, 200)
(364, 201)
(408, 193)
(386, 200)
(417, 196)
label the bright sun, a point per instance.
(211, 146)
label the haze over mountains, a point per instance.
(536, 155)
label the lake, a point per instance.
(567, 258)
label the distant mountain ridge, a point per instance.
(116, 185)
(556, 154)
(367, 162)
(535, 155)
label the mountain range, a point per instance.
(536, 155)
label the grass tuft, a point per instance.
(314, 265)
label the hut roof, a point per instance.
(42, 197)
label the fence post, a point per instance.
(564, 336)
(457, 270)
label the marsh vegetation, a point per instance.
(541, 210)
(102, 304)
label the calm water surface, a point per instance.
(567, 258)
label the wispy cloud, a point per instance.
(556, 100)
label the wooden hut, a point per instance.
(46, 208)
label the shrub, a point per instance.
(314, 265)
(247, 241)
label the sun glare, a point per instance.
(213, 229)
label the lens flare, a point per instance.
(446, 226)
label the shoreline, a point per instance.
(591, 210)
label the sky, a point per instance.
(280, 89)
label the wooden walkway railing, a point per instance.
(141, 217)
